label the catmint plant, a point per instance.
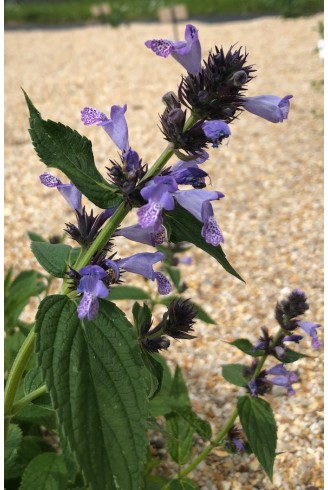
(92, 377)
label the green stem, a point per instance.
(203, 454)
(15, 375)
(98, 244)
(25, 400)
(168, 152)
(264, 357)
(214, 443)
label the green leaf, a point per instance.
(247, 347)
(185, 227)
(93, 371)
(174, 274)
(291, 356)
(45, 471)
(35, 237)
(54, 257)
(179, 391)
(234, 374)
(25, 285)
(12, 445)
(141, 315)
(154, 373)
(161, 403)
(127, 292)
(180, 444)
(257, 419)
(182, 484)
(201, 426)
(30, 447)
(63, 148)
(32, 381)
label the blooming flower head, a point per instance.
(115, 126)
(70, 193)
(270, 107)
(187, 52)
(92, 287)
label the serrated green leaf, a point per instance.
(93, 371)
(61, 147)
(54, 257)
(179, 391)
(182, 484)
(45, 471)
(247, 347)
(30, 447)
(257, 419)
(234, 374)
(127, 292)
(13, 442)
(160, 404)
(25, 285)
(185, 227)
(180, 444)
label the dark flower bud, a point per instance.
(235, 441)
(88, 226)
(291, 307)
(216, 92)
(239, 78)
(171, 100)
(179, 319)
(193, 140)
(156, 344)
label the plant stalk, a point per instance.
(25, 400)
(15, 375)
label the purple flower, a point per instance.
(311, 329)
(92, 287)
(197, 202)
(142, 263)
(70, 193)
(187, 53)
(282, 377)
(188, 173)
(158, 193)
(216, 131)
(147, 236)
(116, 127)
(270, 107)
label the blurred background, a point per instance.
(120, 11)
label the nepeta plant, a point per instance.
(92, 384)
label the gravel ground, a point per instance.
(271, 217)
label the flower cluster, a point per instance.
(287, 312)
(214, 93)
